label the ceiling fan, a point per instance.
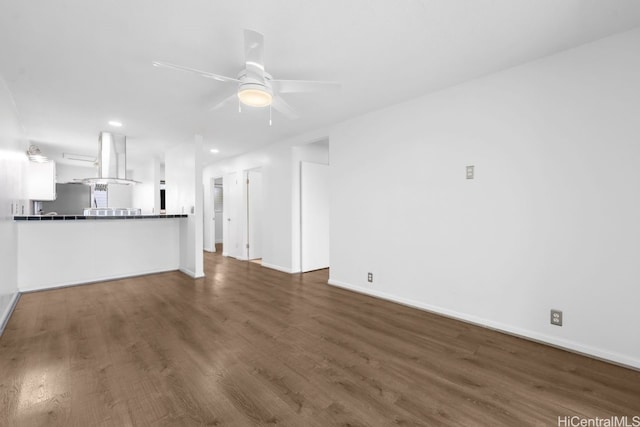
(256, 87)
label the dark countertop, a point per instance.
(92, 217)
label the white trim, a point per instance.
(8, 312)
(191, 273)
(619, 359)
(208, 249)
(276, 267)
(92, 280)
(239, 258)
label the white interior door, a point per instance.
(314, 216)
(209, 227)
(232, 217)
(254, 214)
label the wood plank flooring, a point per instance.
(252, 346)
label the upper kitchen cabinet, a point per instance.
(41, 181)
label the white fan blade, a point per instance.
(280, 105)
(254, 52)
(227, 100)
(193, 70)
(291, 86)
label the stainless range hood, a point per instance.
(112, 160)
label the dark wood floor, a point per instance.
(253, 346)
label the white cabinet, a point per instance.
(41, 181)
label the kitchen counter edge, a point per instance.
(91, 217)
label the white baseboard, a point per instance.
(190, 273)
(276, 267)
(597, 353)
(8, 311)
(24, 289)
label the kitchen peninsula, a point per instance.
(91, 217)
(64, 250)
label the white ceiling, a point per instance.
(73, 65)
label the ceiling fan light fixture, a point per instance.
(35, 155)
(254, 97)
(256, 87)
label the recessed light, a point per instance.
(115, 123)
(214, 150)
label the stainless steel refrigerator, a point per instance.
(71, 199)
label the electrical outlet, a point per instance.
(556, 317)
(370, 277)
(470, 171)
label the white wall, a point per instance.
(184, 194)
(66, 173)
(146, 194)
(119, 195)
(275, 163)
(13, 163)
(551, 220)
(60, 253)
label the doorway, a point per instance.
(218, 217)
(237, 215)
(213, 218)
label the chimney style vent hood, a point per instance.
(112, 160)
